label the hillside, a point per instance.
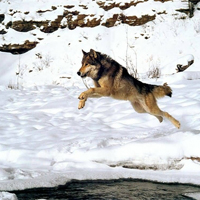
(154, 33)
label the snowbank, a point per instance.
(46, 140)
(7, 196)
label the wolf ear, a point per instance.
(93, 53)
(84, 53)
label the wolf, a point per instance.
(113, 80)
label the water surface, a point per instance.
(121, 189)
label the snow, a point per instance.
(7, 196)
(46, 141)
(193, 195)
(43, 132)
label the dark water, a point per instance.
(121, 189)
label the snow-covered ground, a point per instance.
(46, 141)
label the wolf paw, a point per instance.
(81, 104)
(82, 96)
(160, 118)
(177, 124)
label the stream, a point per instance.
(121, 189)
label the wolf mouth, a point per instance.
(82, 75)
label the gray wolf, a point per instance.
(113, 80)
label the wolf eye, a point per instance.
(86, 64)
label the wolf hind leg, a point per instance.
(138, 108)
(172, 119)
(152, 108)
(160, 118)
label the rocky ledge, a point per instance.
(18, 48)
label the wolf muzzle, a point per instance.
(79, 73)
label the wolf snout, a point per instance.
(79, 73)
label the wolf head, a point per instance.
(90, 65)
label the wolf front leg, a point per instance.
(81, 104)
(83, 98)
(90, 93)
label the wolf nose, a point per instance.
(79, 73)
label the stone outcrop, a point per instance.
(45, 26)
(183, 67)
(130, 20)
(82, 20)
(2, 17)
(18, 48)
(75, 19)
(106, 7)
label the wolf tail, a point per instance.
(162, 90)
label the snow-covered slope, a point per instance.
(45, 140)
(57, 56)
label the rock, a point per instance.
(80, 20)
(184, 62)
(18, 48)
(162, 0)
(22, 26)
(53, 25)
(46, 26)
(135, 21)
(130, 20)
(2, 31)
(178, 65)
(108, 6)
(69, 6)
(2, 17)
(111, 21)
